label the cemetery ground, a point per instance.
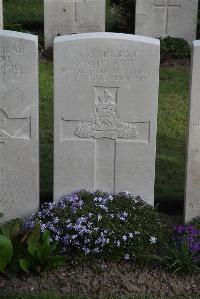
(121, 279)
(27, 15)
(99, 279)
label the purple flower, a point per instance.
(153, 240)
(118, 243)
(86, 250)
(43, 227)
(99, 217)
(124, 238)
(96, 250)
(188, 235)
(137, 233)
(127, 256)
(78, 222)
(29, 225)
(56, 220)
(57, 238)
(103, 208)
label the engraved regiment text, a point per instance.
(104, 65)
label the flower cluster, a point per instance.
(188, 235)
(119, 226)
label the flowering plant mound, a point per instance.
(182, 249)
(188, 236)
(110, 226)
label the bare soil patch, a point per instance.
(105, 280)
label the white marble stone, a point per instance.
(19, 160)
(192, 193)
(106, 97)
(161, 18)
(72, 16)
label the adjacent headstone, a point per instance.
(19, 160)
(106, 97)
(1, 14)
(192, 194)
(161, 18)
(72, 16)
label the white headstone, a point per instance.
(192, 194)
(63, 17)
(106, 96)
(19, 161)
(161, 18)
(1, 14)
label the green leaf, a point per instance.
(46, 237)
(5, 230)
(25, 265)
(12, 228)
(54, 245)
(34, 236)
(32, 249)
(16, 227)
(56, 262)
(43, 253)
(34, 240)
(6, 252)
(155, 257)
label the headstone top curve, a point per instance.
(109, 35)
(196, 43)
(15, 34)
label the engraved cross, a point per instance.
(76, 3)
(107, 131)
(75, 8)
(12, 130)
(167, 6)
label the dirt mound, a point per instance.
(104, 280)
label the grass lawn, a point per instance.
(171, 138)
(27, 13)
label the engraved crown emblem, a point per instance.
(106, 122)
(106, 98)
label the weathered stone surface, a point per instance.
(19, 161)
(63, 17)
(192, 194)
(106, 93)
(161, 18)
